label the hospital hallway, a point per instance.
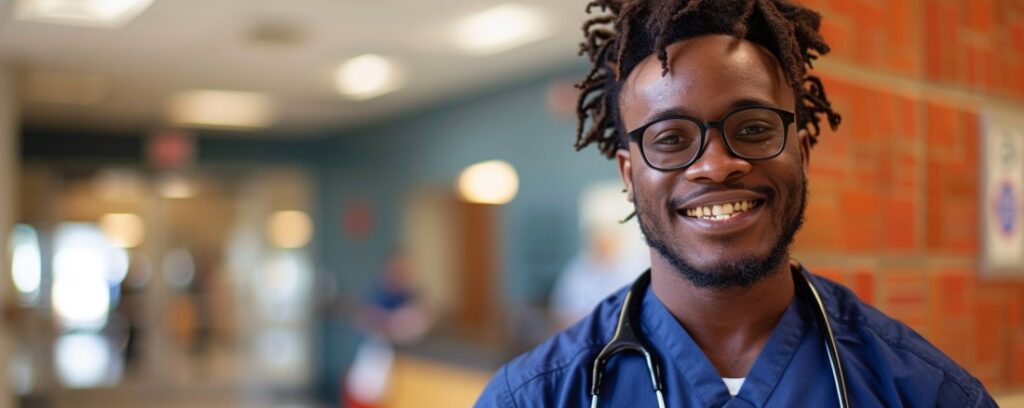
(377, 204)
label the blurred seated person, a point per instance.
(394, 310)
(602, 267)
(392, 314)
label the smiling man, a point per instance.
(710, 113)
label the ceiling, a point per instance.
(286, 48)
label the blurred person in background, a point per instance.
(710, 112)
(599, 269)
(393, 314)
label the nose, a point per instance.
(716, 164)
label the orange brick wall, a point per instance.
(894, 193)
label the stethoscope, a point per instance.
(627, 338)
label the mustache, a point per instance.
(676, 202)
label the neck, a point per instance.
(730, 325)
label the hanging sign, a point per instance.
(1002, 201)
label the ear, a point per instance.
(805, 148)
(625, 171)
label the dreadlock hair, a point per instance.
(627, 31)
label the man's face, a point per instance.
(709, 77)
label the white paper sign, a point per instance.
(1002, 201)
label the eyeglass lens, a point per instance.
(749, 134)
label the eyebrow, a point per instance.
(681, 111)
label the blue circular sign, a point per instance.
(1006, 206)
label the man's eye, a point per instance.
(668, 140)
(753, 129)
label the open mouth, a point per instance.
(721, 211)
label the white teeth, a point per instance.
(720, 211)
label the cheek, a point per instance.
(651, 183)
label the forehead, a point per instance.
(707, 76)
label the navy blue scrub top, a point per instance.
(886, 364)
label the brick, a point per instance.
(979, 64)
(821, 232)
(1019, 67)
(1016, 360)
(933, 207)
(864, 284)
(843, 7)
(868, 16)
(970, 125)
(951, 313)
(933, 47)
(941, 130)
(885, 113)
(952, 293)
(907, 118)
(905, 298)
(961, 228)
(989, 329)
(1015, 311)
(899, 23)
(946, 34)
(812, 4)
(952, 340)
(900, 229)
(827, 168)
(868, 48)
(860, 117)
(987, 69)
(834, 144)
(1016, 32)
(904, 169)
(861, 224)
(991, 376)
(972, 65)
(867, 164)
(834, 273)
(838, 37)
(980, 15)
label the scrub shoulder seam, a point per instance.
(508, 387)
(969, 391)
(542, 371)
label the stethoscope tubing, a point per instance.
(627, 337)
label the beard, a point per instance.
(743, 272)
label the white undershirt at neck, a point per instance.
(733, 384)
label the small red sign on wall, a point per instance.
(170, 149)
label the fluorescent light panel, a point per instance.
(367, 76)
(500, 28)
(221, 109)
(83, 13)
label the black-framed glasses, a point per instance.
(750, 133)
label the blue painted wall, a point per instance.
(384, 164)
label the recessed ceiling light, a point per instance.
(489, 182)
(500, 28)
(221, 109)
(367, 76)
(84, 13)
